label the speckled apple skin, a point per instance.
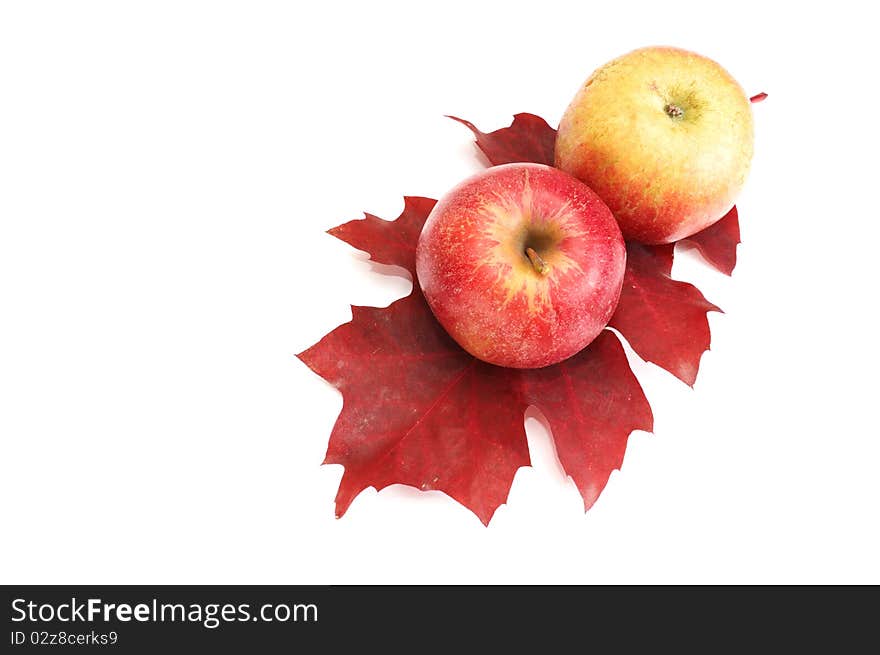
(664, 178)
(482, 287)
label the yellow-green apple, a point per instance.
(522, 264)
(664, 136)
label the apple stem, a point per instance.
(538, 264)
(673, 111)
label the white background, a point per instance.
(167, 171)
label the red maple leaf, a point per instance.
(419, 410)
(662, 319)
(527, 139)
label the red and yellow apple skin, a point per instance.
(664, 136)
(522, 264)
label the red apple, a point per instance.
(522, 264)
(664, 136)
